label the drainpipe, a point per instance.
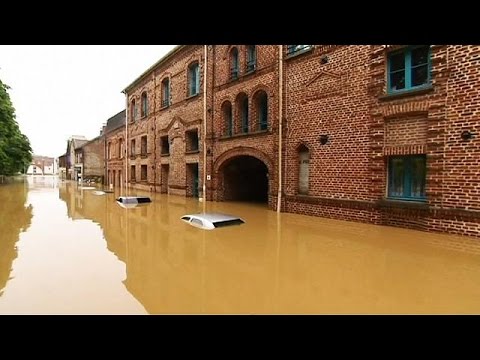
(126, 142)
(205, 64)
(154, 127)
(280, 121)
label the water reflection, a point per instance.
(15, 217)
(282, 263)
(274, 263)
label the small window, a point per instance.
(191, 138)
(406, 177)
(109, 151)
(408, 69)
(143, 145)
(251, 58)
(120, 148)
(143, 173)
(227, 118)
(193, 79)
(132, 172)
(295, 49)
(244, 114)
(234, 64)
(132, 148)
(133, 111)
(144, 105)
(164, 145)
(166, 92)
(261, 104)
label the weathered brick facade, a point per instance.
(114, 134)
(93, 159)
(167, 119)
(342, 125)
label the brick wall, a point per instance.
(116, 162)
(184, 113)
(261, 144)
(328, 97)
(93, 159)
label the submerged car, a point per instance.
(129, 202)
(210, 221)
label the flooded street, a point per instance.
(64, 250)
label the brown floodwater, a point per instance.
(66, 250)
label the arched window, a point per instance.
(242, 111)
(251, 58)
(120, 148)
(261, 109)
(234, 63)
(144, 105)
(227, 118)
(133, 110)
(166, 92)
(303, 169)
(193, 79)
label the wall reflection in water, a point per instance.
(283, 263)
(15, 217)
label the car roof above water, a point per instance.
(213, 217)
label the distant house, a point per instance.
(62, 166)
(74, 158)
(41, 165)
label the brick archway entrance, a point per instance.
(244, 174)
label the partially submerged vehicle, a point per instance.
(133, 201)
(210, 221)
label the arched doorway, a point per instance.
(245, 178)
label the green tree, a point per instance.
(15, 150)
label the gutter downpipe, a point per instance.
(280, 122)
(205, 64)
(126, 143)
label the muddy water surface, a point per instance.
(66, 250)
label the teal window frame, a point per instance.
(263, 112)
(229, 121)
(251, 58)
(194, 79)
(404, 177)
(166, 92)
(244, 107)
(407, 53)
(234, 64)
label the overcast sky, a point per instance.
(64, 90)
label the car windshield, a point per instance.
(228, 223)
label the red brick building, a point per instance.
(114, 135)
(376, 133)
(165, 114)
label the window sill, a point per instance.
(192, 96)
(407, 93)
(253, 133)
(192, 152)
(399, 203)
(165, 154)
(165, 107)
(298, 53)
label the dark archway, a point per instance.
(245, 178)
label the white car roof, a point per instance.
(213, 217)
